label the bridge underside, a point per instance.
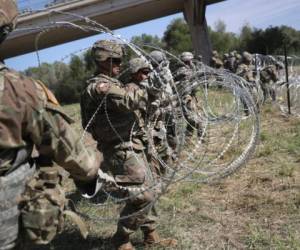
(113, 14)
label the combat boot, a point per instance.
(121, 241)
(152, 237)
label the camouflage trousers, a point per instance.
(190, 114)
(11, 188)
(268, 91)
(130, 169)
(171, 130)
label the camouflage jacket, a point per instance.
(246, 72)
(31, 116)
(109, 113)
(231, 64)
(269, 74)
(162, 78)
(185, 72)
(216, 62)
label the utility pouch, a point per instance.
(44, 208)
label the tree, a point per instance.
(221, 40)
(220, 26)
(245, 37)
(69, 90)
(177, 37)
(146, 42)
(45, 73)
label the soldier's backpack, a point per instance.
(44, 207)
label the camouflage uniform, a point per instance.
(165, 124)
(151, 116)
(189, 100)
(245, 69)
(140, 70)
(268, 76)
(216, 61)
(112, 114)
(231, 62)
(31, 117)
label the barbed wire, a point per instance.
(229, 134)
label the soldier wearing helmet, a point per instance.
(247, 58)
(139, 69)
(162, 78)
(111, 112)
(157, 57)
(245, 68)
(188, 99)
(30, 117)
(186, 56)
(216, 61)
(108, 57)
(231, 61)
(269, 76)
(185, 71)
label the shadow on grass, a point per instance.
(72, 240)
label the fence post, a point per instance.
(287, 80)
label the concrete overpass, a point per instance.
(113, 14)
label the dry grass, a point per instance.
(257, 208)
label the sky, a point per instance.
(235, 13)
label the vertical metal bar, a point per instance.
(287, 80)
(256, 73)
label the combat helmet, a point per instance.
(8, 17)
(104, 49)
(157, 56)
(186, 56)
(238, 56)
(137, 64)
(247, 57)
(215, 53)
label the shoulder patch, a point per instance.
(50, 96)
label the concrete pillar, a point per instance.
(194, 13)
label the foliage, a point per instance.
(146, 42)
(221, 40)
(177, 37)
(65, 80)
(273, 39)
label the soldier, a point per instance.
(189, 99)
(245, 69)
(140, 70)
(110, 112)
(185, 71)
(268, 77)
(216, 61)
(162, 78)
(30, 116)
(225, 60)
(230, 62)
